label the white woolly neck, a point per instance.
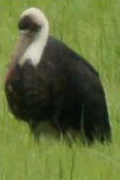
(35, 49)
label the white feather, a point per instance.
(36, 48)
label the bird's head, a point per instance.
(32, 20)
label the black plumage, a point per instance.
(63, 89)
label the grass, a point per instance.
(92, 28)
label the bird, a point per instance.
(48, 81)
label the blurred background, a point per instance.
(91, 28)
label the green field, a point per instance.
(92, 28)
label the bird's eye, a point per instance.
(27, 23)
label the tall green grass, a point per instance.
(92, 28)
